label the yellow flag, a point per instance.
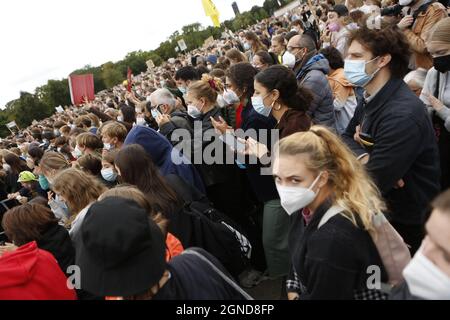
(212, 12)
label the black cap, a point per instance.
(341, 10)
(121, 251)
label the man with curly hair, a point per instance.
(391, 131)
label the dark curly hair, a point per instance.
(242, 75)
(388, 40)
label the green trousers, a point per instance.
(276, 223)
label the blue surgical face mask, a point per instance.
(260, 107)
(183, 90)
(109, 174)
(155, 113)
(355, 72)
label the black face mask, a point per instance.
(442, 64)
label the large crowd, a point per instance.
(310, 149)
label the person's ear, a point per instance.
(165, 108)
(323, 180)
(275, 95)
(384, 60)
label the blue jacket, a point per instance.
(160, 151)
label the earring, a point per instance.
(279, 106)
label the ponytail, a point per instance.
(283, 79)
(301, 101)
(208, 87)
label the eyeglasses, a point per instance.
(293, 48)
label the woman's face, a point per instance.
(258, 63)
(264, 93)
(107, 165)
(230, 85)
(291, 171)
(277, 47)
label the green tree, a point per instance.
(28, 108)
(110, 75)
(54, 93)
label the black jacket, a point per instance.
(331, 262)
(193, 279)
(178, 120)
(262, 185)
(404, 148)
(56, 240)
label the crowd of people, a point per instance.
(329, 129)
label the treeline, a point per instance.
(42, 103)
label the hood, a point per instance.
(156, 145)
(317, 62)
(57, 241)
(17, 268)
(339, 76)
(161, 152)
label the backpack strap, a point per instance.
(219, 272)
(333, 211)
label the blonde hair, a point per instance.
(89, 140)
(441, 31)
(133, 193)
(208, 87)
(354, 191)
(95, 121)
(115, 130)
(78, 188)
(53, 161)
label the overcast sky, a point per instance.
(48, 39)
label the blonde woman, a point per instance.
(332, 259)
(223, 187)
(173, 245)
(78, 190)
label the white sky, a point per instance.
(48, 39)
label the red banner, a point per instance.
(81, 88)
(129, 79)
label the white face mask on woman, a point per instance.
(295, 198)
(425, 280)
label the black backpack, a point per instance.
(199, 224)
(209, 229)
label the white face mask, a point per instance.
(425, 280)
(193, 111)
(295, 198)
(289, 60)
(231, 97)
(108, 146)
(221, 101)
(77, 153)
(404, 2)
(140, 121)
